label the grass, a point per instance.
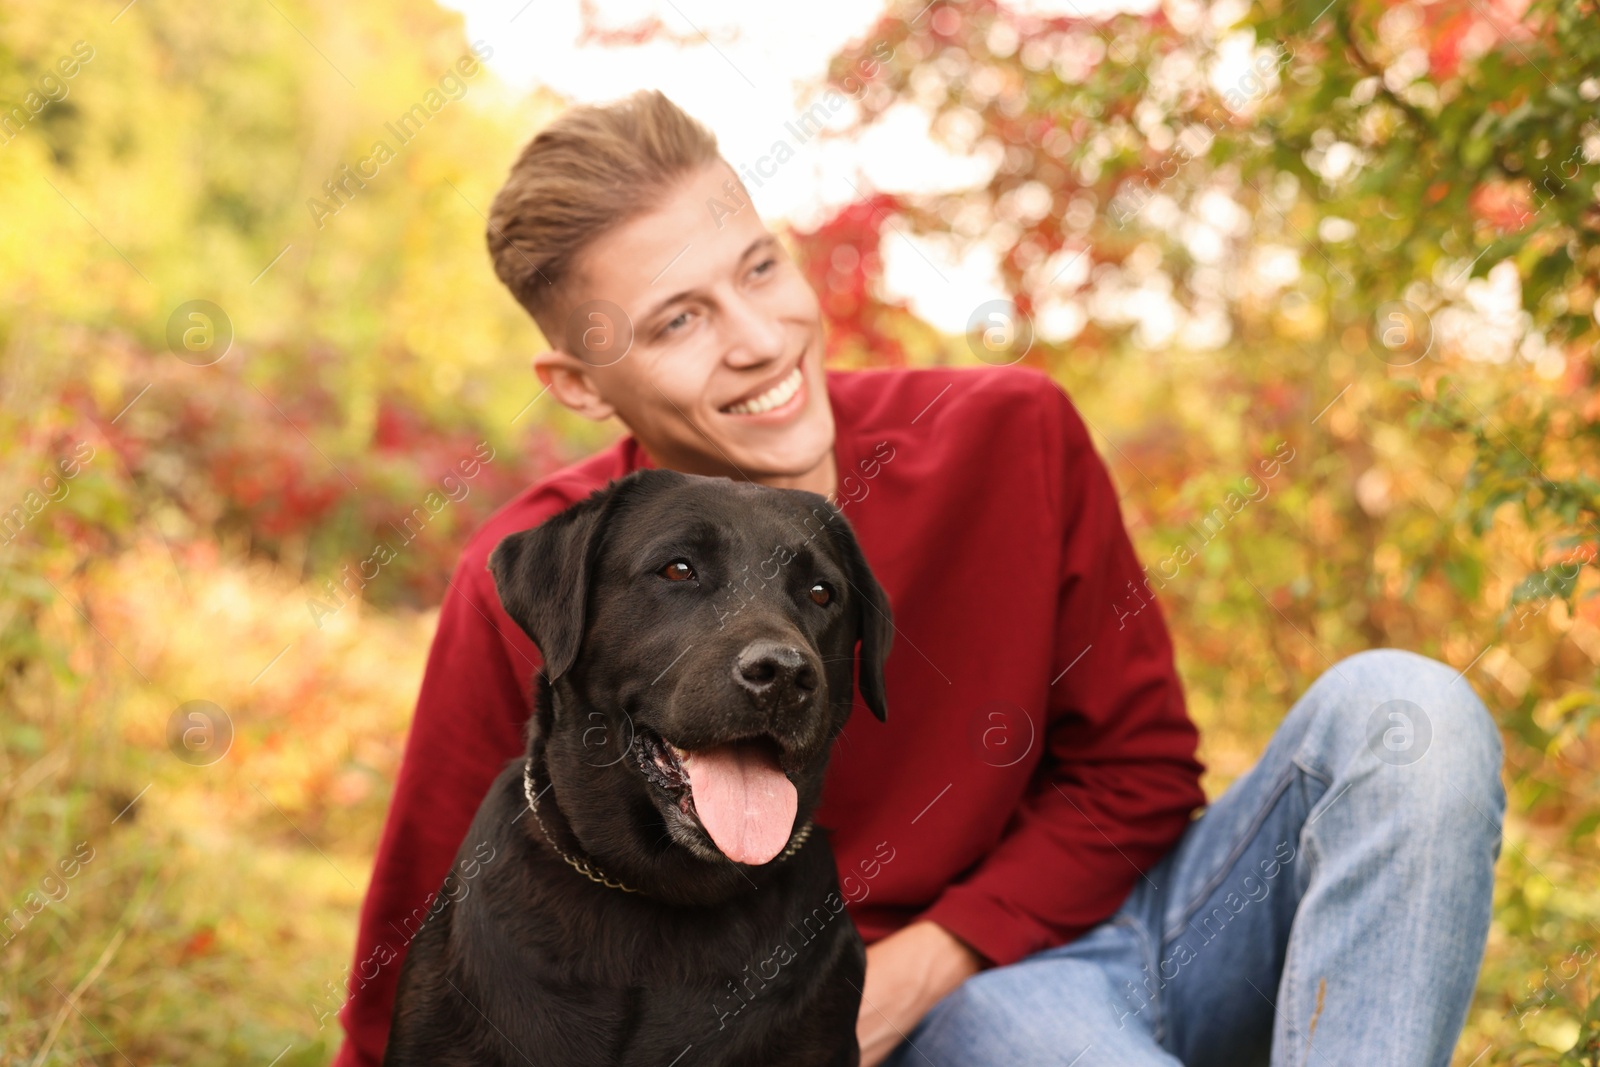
(220, 900)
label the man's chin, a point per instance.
(795, 455)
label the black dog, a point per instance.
(656, 893)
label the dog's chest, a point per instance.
(744, 991)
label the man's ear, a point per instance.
(573, 383)
(874, 619)
(542, 576)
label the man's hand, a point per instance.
(908, 972)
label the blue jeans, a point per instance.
(1330, 908)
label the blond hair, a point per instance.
(593, 168)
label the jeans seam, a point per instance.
(1243, 842)
(1148, 954)
(1286, 997)
(1310, 771)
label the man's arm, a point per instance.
(1119, 778)
(908, 972)
(469, 721)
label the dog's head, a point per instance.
(699, 637)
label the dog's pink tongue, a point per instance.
(743, 800)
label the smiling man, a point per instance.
(1015, 844)
(648, 344)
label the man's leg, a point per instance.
(1055, 1008)
(1332, 907)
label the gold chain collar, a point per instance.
(593, 873)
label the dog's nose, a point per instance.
(768, 670)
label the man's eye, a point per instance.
(677, 571)
(764, 266)
(822, 593)
(677, 323)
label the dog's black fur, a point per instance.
(534, 963)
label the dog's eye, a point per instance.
(677, 571)
(822, 593)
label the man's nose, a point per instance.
(753, 336)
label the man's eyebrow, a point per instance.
(766, 240)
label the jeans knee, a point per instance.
(1423, 717)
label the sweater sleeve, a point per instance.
(1118, 778)
(470, 715)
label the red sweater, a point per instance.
(1037, 755)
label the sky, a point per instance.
(748, 72)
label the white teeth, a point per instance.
(777, 396)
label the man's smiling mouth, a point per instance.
(772, 397)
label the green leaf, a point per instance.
(1557, 580)
(1465, 575)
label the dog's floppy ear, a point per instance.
(542, 576)
(874, 623)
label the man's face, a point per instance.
(724, 375)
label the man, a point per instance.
(1016, 843)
